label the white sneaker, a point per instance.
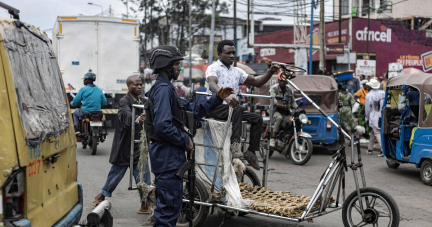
(272, 142)
(380, 154)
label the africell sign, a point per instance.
(374, 36)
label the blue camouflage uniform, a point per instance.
(168, 154)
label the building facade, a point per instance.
(386, 41)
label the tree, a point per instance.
(169, 19)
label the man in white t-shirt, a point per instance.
(222, 74)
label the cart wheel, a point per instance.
(392, 165)
(426, 172)
(263, 150)
(250, 177)
(379, 208)
(304, 153)
(200, 212)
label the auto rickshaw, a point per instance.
(323, 90)
(406, 126)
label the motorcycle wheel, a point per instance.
(301, 157)
(201, 212)
(380, 208)
(94, 143)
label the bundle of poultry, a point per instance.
(281, 203)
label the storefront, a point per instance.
(387, 42)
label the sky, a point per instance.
(43, 13)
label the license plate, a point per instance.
(96, 123)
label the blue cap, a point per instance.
(90, 75)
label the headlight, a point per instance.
(303, 118)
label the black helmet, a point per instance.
(163, 56)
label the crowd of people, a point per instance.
(362, 99)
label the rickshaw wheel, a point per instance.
(374, 201)
(426, 172)
(392, 165)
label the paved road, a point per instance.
(404, 184)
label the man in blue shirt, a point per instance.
(168, 139)
(91, 96)
(201, 98)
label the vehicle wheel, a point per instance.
(94, 144)
(263, 149)
(201, 212)
(392, 165)
(251, 178)
(301, 156)
(379, 207)
(426, 172)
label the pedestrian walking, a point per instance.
(374, 104)
(121, 147)
(360, 95)
(353, 85)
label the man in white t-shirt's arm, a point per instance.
(222, 74)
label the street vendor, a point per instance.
(121, 146)
(221, 74)
(166, 132)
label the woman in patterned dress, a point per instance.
(347, 118)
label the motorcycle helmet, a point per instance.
(90, 76)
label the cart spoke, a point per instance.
(358, 209)
(383, 215)
(372, 202)
(362, 223)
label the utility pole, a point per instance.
(349, 33)
(311, 39)
(211, 44)
(340, 21)
(322, 41)
(190, 41)
(367, 33)
(235, 30)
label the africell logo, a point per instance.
(378, 36)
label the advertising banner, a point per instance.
(366, 64)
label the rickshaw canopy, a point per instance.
(423, 82)
(321, 89)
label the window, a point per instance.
(40, 92)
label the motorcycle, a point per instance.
(93, 130)
(291, 141)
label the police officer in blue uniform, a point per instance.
(165, 127)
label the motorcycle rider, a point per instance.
(282, 107)
(92, 99)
